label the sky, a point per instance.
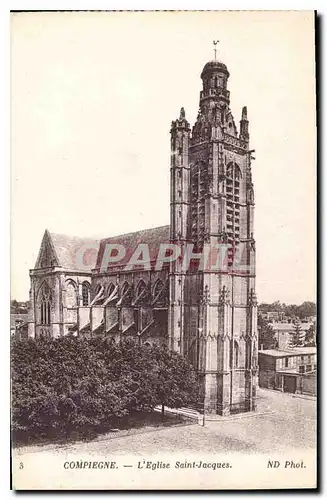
(92, 99)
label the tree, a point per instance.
(264, 308)
(307, 309)
(13, 306)
(291, 310)
(267, 339)
(70, 384)
(176, 379)
(310, 336)
(276, 306)
(296, 336)
(301, 311)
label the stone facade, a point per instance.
(208, 313)
(58, 288)
(214, 321)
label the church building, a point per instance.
(208, 313)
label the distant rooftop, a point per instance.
(276, 325)
(294, 351)
(24, 318)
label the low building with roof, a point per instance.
(19, 324)
(274, 315)
(289, 370)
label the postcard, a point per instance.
(163, 246)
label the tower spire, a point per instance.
(215, 42)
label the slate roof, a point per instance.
(152, 237)
(213, 66)
(71, 249)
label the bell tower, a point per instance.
(219, 309)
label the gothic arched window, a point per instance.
(233, 171)
(85, 293)
(110, 289)
(45, 304)
(248, 353)
(124, 288)
(233, 354)
(236, 354)
(254, 355)
(159, 294)
(140, 287)
(43, 312)
(157, 287)
(97, 295)
(71, 300)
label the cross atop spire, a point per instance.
(215, 42)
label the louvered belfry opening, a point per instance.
(233, 176)
(199, 190)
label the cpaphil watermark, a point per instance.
(181, 257)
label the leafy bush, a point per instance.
(71, 384)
